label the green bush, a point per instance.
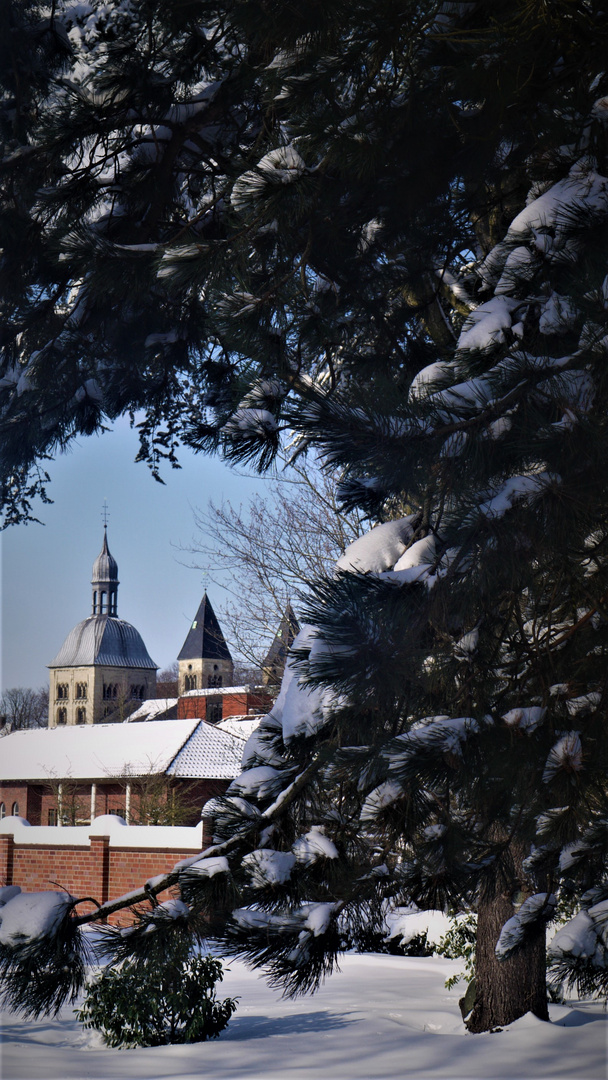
(459, 943)
(149, 1005)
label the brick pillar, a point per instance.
(207, 834)
(7, 844)
(100, 867)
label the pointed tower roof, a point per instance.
(205, 639)
(105, 567)
(276, 656)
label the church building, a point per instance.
(103, 668)
(204, 659)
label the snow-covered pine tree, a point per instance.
(415, 283)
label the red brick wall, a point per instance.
(195, 707)
(100, 871)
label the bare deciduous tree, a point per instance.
(166, 681)
(22, 707)
(265, 552)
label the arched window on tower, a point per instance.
(81, 716)
(103, 607)
(63, 691)
(81, 691)
(62, 716)
(190, 682)
(15, 810)
(110, 691)
(216, 678)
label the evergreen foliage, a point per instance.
(169, 1000)
(396, 250)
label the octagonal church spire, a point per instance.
(105, 581)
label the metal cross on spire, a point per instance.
(105, 513)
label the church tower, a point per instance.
(103, 669)
(276, 657)
(204, 660)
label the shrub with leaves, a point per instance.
(175, 1002)
(459, 943)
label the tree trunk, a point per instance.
(506, 989)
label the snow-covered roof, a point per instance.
(94, 751)
(241, 726)
(153, 709)
(209, 752)
(217, 691)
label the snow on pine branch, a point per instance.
(536, 909)
(281, 166)
(27, 917)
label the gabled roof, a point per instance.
(209, 752)
(184, 748)
(93, 751)
(240, 726)
(205, 639)
(154, 709)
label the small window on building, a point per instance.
(214, 680)
(190, 682)
(81, 716)
(62, 716)
(104, 604)
(138, 692)
(110, 691)
(52, 816)
(107, 711)
(15, 810)
(63, 691)
(81, 691)
(2, 811)
(119, 811)
(214, 711)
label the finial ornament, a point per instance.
(105, 513)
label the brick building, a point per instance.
(72, 776)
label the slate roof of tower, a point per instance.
(205, 639)
(285, 635)
(105, 567)
(102, 639)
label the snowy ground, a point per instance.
(381, 1017)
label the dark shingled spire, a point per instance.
(274, 663)
(205, 639)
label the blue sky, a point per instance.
(46, 569)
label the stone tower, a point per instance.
(274, 662)
(103, 668)
(204, 660)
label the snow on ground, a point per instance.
(380, 1017)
